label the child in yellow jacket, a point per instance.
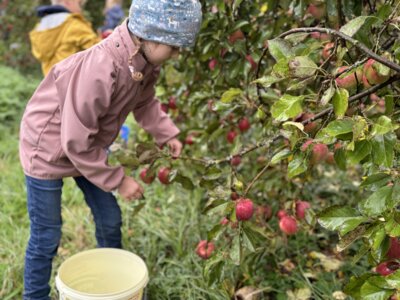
(61, 32)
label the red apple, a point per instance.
(234, 196)
(281, 213)
(189, 140)
(330, 158)
(205, 249)
(327, 51)
(371, 74)
(306, 145)
(224, 221)
(230, 136)
(350, 80)
(237, 35)
(316, 10)
(212, 64)
(244, 124)
(164, 107)
(250, 59)
(145, 178)
(163, 174)
(236, 160)
(288, 225)
(387, 267)
(244, 209)
(319, 153)
(301, 207)
(172, 103)
(264, 212)
(394, 248)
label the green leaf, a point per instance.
(280, 48)
(251, 237)
(267, 81)
(393, 280)
(340, 102)
(327, 96)
(383, 126)
(339, 127)
(341, 218)
(283, 154)
(298, 125)
(236, 4)
(354, 286)
(281, 68)
(297, 166)
(369, 291)
(286, 107)
(377, 178)
(351, 237)
(383, 149)
(213, 268)
(214, 231)
(361, 150)
(376, 203)
(186, 182)
(236, 250)
(340, 159)
(392, 227)
(302, 67)
(229, 95)
(353, 26)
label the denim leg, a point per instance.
(106, 213)
(44, 208)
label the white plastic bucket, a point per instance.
(102, 274)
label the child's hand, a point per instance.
(175, 147)
(130, 189)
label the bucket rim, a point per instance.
(133, 289)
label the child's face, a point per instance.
(157, 53)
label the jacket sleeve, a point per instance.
(149, 115)
(81, 34)
(87, 100)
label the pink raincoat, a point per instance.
(77, 111)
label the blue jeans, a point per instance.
(44, 207)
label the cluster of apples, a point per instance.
(170, 105)
(232, 39)
(163, 175)
(370, 74)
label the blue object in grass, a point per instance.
(124, 133)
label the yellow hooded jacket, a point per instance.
(54, 44)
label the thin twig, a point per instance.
(355, 42)
(254, 180)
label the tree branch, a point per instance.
(355, 98)
(347, 38)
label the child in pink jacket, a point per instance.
(75, 115)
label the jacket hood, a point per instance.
(46, 37)
(45, 10)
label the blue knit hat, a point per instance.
(170, 22)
